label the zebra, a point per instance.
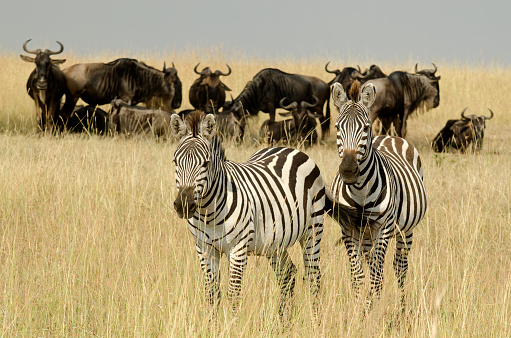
(381, 176)
(262, 207)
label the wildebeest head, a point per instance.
(478, 124)
(304, 119)
(43, 63)
(354, 135)
(430, 73)
(345, 77)
(193, 159)
(208, 91)
(172, 79)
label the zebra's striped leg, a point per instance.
(209, 260)
(377, 258)
(285, 271)
(355, 256)
(310, 244)
(237, 262)
(401, 262)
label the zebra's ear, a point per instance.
(208, 126)
(368, 95)
(177, 126)
(339, 95)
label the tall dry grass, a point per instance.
(90, 244)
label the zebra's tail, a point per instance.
(347, 216)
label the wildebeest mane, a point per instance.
(413, 86)
(194, 120)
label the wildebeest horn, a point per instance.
(49, 52)
(330, 71)
(358, 75)
(416, 70)
(435, 68)
(195, 69)
(218, 73)
(293, 105)
(306, 104)
(173, 65)
(359, 70)
(463, 113)
(30, 51)
(164, 66)
(491, 116)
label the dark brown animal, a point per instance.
(461, 133)
(348, 75)
(270, 85)
(399, 95)
(130, 80)
(229, 126)
(46, 85)
(208, 92)
(278, 131)
(132, 120)
(88, 119)
(304, 120)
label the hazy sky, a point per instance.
(429, 31)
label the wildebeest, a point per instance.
(132, 120)
(277, 131)
(126, 79)
(89, 119)
(270, 85)
(228, 124)
(46, 85)
(208, 92)
(348, 75)
(399, 95)
(461, 133)
(304, 120)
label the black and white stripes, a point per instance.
(381, 176)
(262, 206)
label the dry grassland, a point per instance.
(90, 244)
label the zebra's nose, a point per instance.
(184, 203)
(348, 169)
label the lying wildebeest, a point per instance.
(270, 85)
(88, 119)
(461, 133)
(399, 95)
(304, 120)
(208, 92)
(276, 131)
(229, 125)
(348, 75)
(126, 79)
(46, 85)
(131, 120)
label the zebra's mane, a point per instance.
(194, 120)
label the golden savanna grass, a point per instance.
(90, 244)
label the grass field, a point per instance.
(90, 243)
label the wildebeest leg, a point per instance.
(285, 272)
(69, 106)
(386, 124)
(402, 131)
(271, 111)
(39, 113)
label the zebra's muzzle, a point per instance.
(184, 204)
(348, 169)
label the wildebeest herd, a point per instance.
(399, 95)
(278, 197)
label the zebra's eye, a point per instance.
(367, 127)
